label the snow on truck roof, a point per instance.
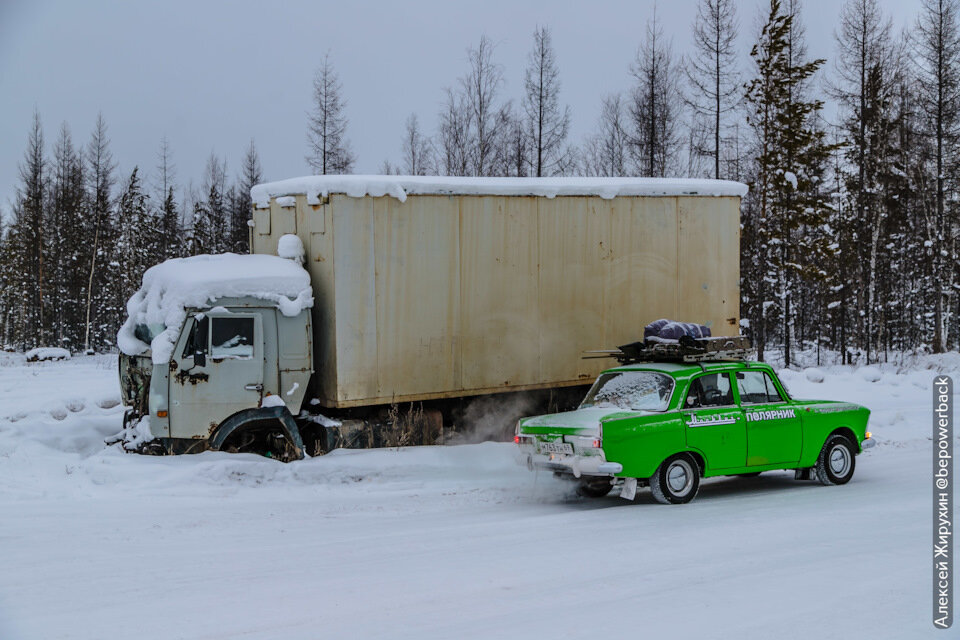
(358, 186)
(171, 287)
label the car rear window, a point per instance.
(631, 390)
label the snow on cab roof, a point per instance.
(171, 287)
(358, 186)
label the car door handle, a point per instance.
(253, 387)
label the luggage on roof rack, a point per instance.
(686, 349)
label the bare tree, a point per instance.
(712, 71)
(655, 107)
(606, 151)
(251, 173)
(327, 125)
(548, 123)
(938, 67)
(417, 149)
(455, 135)
(487, 118)
(166, 170)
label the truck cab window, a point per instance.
(231, 337)
(756, 387)
(711, 390)
(197, 338)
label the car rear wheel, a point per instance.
(676, 481)
(836, 462)
(594, 487)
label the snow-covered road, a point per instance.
(443, 542)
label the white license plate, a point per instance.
(556, 447)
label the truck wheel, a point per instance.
(676, 481)
(594, 487)
(836, 462)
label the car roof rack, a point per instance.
(686, 349)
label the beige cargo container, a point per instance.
(429, 288)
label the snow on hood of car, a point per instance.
(171, 287)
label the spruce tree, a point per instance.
(790, 163)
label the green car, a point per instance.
(667, 425)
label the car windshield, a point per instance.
(631, 390)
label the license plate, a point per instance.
(556, 447)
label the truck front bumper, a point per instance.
(576, 465)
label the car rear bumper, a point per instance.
(576, 465)
(867, 444)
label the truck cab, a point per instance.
(229, 373)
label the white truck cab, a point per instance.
(202, 370)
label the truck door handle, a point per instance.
(253, 387)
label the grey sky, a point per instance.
(213, 75)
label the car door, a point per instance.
(714, 424)
(219, 371)
(774, 430)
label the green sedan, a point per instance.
(667, 425)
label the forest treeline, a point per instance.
(849, 231)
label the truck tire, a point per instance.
(594, 487)
(837, 461)
(676, 481)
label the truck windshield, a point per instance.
(631, 390)
(147, 332)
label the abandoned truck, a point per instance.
(369, 293)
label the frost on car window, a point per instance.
(631, 390)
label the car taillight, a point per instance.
(596, 443)
(516, 439)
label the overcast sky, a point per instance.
(212, 75)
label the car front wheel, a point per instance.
(676, 481)
(836, 462)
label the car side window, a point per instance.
(710, 390)
(756, 387)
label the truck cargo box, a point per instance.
(430, 288)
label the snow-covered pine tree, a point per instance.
(655, 104)
(937, 58)
(210, 212)
(329, 150)
(868, 69)
(67, 243)
(29, 223)
(791, 160)
(136, 237)
(100, 311)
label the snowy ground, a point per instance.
(445, 542)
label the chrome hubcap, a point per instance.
(679, 477)
(839, 460)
